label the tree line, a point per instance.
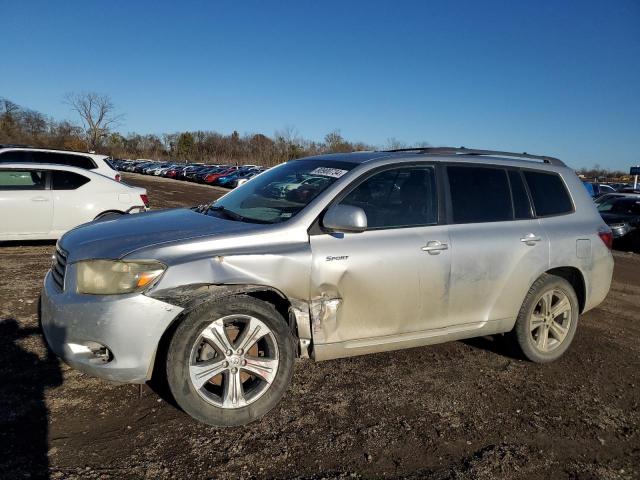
(97, 131)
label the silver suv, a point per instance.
(328, 257)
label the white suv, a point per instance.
(41, 201)
(89, 161)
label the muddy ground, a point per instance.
(458, 410)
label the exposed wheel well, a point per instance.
(576, 279)
(280, 303)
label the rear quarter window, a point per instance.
(61, 180)
(549, 193)
(64, 159)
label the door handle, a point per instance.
(530, 239)
(434, 247)
(39, 199)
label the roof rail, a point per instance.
(472, 151)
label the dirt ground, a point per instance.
(452, 411)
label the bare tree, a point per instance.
(97, 113)
(394, 144)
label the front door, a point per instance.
(26, 207)
(391, 279)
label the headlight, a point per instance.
(112, 277)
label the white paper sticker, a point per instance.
(329, 172)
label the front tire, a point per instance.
(547, 320)
(230, 361)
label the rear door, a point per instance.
(25, 203)
(386, 281)
(72, 204)
(499, 249)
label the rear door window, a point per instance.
(549, 193)
(479, 194)
(61, 180)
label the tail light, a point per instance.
(145, 200)
(606, 235)
(118, 177)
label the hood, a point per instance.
(116, 238)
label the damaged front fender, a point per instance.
(190, 297)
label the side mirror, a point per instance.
(345, 218)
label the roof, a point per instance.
(44, 149)
(440, 153)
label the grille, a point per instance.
(59, 267)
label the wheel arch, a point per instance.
(191, 297)
(107, 212)
(575, 277)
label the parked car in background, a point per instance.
(608, 196)
(231, 180)
(42, 201)
(622, 214)
(598, 189)
(212, 177)
(197, 174)
(241, 181)
(229, 176)
(173, 172)
(88, 161)
(630, 189)
(390, 250)
(182, 175)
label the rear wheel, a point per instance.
(547, 320)
(231, 361)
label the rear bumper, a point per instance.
(129, 326)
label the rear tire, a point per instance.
(230, 361)
(547, 320)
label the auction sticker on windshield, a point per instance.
(329, 172)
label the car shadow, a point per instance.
(493, 343)
(24, 416)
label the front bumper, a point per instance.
(129, 326)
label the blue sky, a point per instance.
(553, 77)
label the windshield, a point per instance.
(281, 192)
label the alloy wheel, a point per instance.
(551, 320)
(233, 361)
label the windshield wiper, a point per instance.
(233, 215)
(226, 212)
(210, 207)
